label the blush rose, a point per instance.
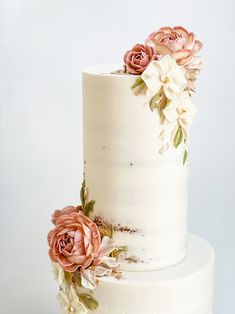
(176, 42)
(74, 242)
(65, 211)
(138, 58)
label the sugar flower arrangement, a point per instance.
(167, 65)
(81, 253)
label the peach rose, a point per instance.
(74, 242)
(176, 42)
(65, 211)
(137, 59)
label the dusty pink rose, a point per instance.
(137, 59)
(74, 242)
(176, 42)
(65, 211)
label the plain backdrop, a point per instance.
(44, 44)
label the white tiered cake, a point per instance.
(144, 194)
(125, 249)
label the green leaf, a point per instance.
(185, 156)
(89, 207)
(83, 193)
(154, 101)
(123, 248)
(178, 137)
(77, 278)
(138, 82)
(88, 301)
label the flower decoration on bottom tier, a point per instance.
(168, 67)
(81, 253)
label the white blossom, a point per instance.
(59, 275)
(182, 109)
(164, 74)
(69, 302)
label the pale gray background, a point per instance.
(44, 46)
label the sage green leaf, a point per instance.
(83, 193)
(185, 156)
(138, 82)
(154, 101)
(123, 248)
(77, 278)
(178, 137)
(89, 207)
(88, 301)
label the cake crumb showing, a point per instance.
(132, 260)
(120, 228)
(102, 223)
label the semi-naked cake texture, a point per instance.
(126, 248)
(144, 194)
(141, 192)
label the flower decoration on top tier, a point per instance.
(176, 42)
(138, 58)
(168, 66)
(164, 75)
(80, 255)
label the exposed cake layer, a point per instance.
(141, 192)
(183, 289)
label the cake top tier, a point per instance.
(164, 69)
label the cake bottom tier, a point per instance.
(186, 288)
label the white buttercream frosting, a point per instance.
(183, 289)
(133, 185)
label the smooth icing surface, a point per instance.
(186, 288)
(140, 191)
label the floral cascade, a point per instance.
(167, 66)
(81, 253)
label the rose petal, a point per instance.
(166, 29)
(181, 54)
(197, 46)
(77, 259)
(181, 30)
(154, 38)
(71, 269)
(163, 49)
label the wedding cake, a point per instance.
(126, 249)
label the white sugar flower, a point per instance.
(181, 109)
(166, 74)
(70, 303)
(59, 275)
